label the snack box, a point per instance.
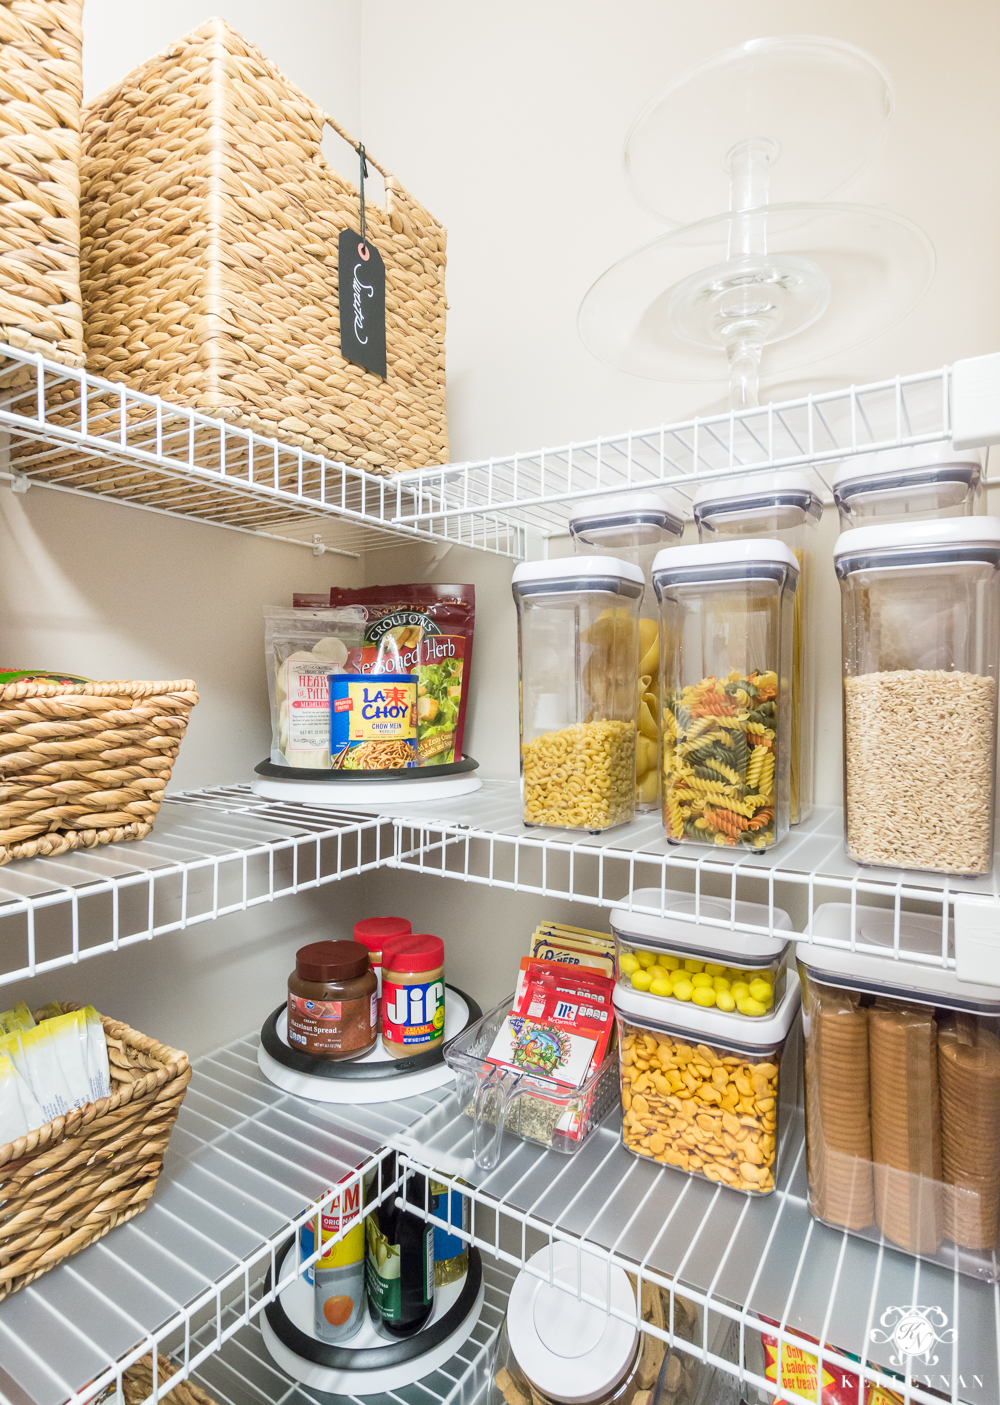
(682, 957)
(702, 1092)
(902, 1090)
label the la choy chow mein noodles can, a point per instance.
(373, 721)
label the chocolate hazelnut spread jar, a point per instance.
(332, 1003)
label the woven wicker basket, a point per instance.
(41, 89)
(86, 763)
(137, 1385)
(210, 222)
(69, 1182)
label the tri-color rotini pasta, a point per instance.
(719, 755)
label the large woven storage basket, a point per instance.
(41, 89)
(69, 1182)
(137, 1385)
(210, 221)
(85, 763)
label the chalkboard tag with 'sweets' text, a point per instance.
(361, 277)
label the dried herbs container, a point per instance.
(41, 86)
(920, 619)
(68, 1183)
(902, 1089)
(210, 222)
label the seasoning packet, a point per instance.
(19, 1110)
(63, 1061)
(302, 649)
(574, 946)
(560, 1024)
(18, 1018)
(432, 626)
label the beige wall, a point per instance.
(507, 122)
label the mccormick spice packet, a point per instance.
(432, 627)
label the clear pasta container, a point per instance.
(701, 1095)
(920, 612)
(902, 1090)
(578, 654)
(908, 485)
(680, 959)
(634, 527)
(726, 670)
(783, 507)
(530, 1106)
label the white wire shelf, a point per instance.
(211, 852)
(74, 432)
(812, 432)
(480, 839)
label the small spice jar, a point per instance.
(332, 1002)
(412, 994)
(374, 932)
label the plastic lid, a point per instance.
(741, 551)
(627, 509)
(711, 1026)
(605, 573)
(571, 1350)
(860, 475)
(331, 961)
(673, 932)
(757, 490)
(416, 951)
(374, 932)
(946, 533)
(913, 977)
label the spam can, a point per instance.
(373, 721)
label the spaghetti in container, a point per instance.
(373, 721)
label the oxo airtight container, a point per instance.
(783, 507)
(909, 485)
(693, 955)
(902, 1089)
(726, 678)
(578, 654)
(699, 1093)
(921, 644)
(634, 527)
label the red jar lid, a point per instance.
(376, 931)
(331, 961)
(417, 952)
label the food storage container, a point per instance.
(921, 636)
(532, 1107)
(699, 1092)
(727, 626)
(902, 1089)
(680, 957)
(783, 507)
(929, 480)
(634, 527)
(578, 653)
(570, 1336)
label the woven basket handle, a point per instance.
(351, 142)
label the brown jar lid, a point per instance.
(331, 961)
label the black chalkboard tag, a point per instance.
(361, 274)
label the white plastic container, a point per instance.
(578, 654)
(921, 649)
(726, 633)
(710, 1098)
(902, 1090)
(634, 527)
(783, 507)
(679, 958)
(897, 485)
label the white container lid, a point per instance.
(740, 551)
(919, 935)
(624, 509)
(946, 533)
(738, 496)
(581, 573)
(571, 1350)
(672, 932)
(700, 1022)
(917, 461)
